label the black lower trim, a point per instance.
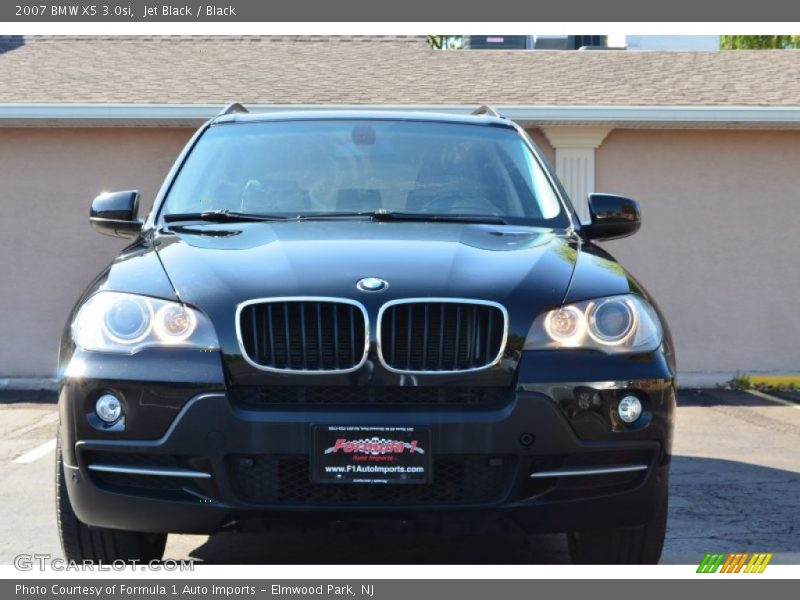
(285, 480)
(259, 466)
(371, 397)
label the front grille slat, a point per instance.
(308, 334)
(425, 337)
(288, 362)
(271, 332)
(352, 335)
(480, 350)
(441, 335)
(393, 346)
(256, 348)
(319, 334)
(473, 334)
(303, 337)
(335, 313)
(458, 337)
(410, 329)
(489, 316)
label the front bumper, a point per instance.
(254, 465)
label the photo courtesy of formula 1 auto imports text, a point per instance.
(358, 300)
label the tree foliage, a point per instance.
(446, 42)
(759, 42)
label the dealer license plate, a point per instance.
(371, 455)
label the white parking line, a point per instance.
(36, 453)
(761, 394)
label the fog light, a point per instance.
(629, 409)
(108, 408)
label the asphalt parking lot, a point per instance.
(735, 485)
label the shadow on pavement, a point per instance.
(730, 506)
(381, 548)
(715, 506)
(712, 397)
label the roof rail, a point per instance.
(233, 107)
(486, 110)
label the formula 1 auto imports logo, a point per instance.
(735, 562)
(375, 446)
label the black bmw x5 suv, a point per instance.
(341, 315)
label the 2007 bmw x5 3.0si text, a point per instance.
(339, 315)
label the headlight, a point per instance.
(616, 324)
(126, 323)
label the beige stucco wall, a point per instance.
(48, 251)
(719, 245)
(717, 248)
(543, 144)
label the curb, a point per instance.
(49, 384)
(699, 380)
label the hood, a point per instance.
(215, 267)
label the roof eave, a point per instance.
(170, 115)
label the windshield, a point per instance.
(308, 167)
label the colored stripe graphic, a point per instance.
(701, 567)
(735, 562)
(765, 563)
(741, 562)
(710, 563)
(750, 564)
(729, 562)
(758, 563)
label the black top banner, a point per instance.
(444, 11)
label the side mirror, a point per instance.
(612, 217)
(115, 213)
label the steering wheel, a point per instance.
(460, 203)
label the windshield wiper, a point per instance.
(383, 215)
(221, 216)
(228, 216)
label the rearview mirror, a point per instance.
(612, 217)
(115, 213)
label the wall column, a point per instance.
(575, 150)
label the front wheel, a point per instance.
(631, 545)
(80, 542)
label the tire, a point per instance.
(632, 546)
(81, 543)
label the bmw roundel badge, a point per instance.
(372, 284)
